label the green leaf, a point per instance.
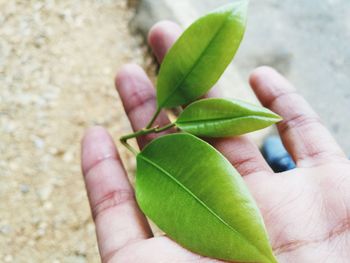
(222, 118)
(199, 57)
(198, 199)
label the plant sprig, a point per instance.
(183, 184)
(124, 139)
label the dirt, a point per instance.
(57, 64)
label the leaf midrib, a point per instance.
(226, 119)
(201, 202)
(201, 55)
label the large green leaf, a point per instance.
(199, 57)
(197, 198)
(223, 117)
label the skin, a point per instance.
(306, 210)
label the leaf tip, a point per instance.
(278, 118)
(238, 11)
(240, 6)
(274, 117)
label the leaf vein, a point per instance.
(199, 201)
(201, 55)
(227, 119)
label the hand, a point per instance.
(306, 210)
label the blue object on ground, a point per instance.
(276, 155)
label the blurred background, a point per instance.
(58, 59)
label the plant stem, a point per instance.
(149, 125)
(129, 147)
(144, 131)
(164, 128)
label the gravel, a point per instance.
(57, 64)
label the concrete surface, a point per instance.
(305, 40)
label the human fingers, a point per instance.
(117, 216)
(162, 36)
(305, 137)
(240, 151)
(167, 251)
(243, 154)
(138, 97)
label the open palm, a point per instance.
(306, 210)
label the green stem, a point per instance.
(144, 131)
(149, 125)
(164, 128)
(129, 147)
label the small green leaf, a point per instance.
(223, 118)
(199, 57)
(198, 199)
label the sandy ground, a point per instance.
(57, 63)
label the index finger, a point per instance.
(117, 216)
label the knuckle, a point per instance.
(139, 98)
(281, 98)
(298, 121)
(246, 165)
(111, 200)
(244, 162)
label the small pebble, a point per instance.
(76, 259)
(6, 229)
(40, 232)
(48, 205)
(68, 157)
(38, 142)
(45, 192)
(24, 188)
